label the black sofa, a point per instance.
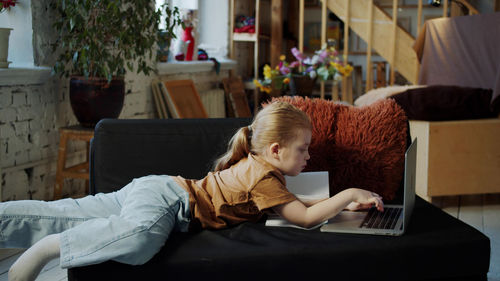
(435, 247)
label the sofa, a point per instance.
(436, 246)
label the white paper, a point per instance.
(276, 220)
(307, 186)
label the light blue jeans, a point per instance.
(129, 226)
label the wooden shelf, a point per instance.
(244, 37)
(249, 37)
(251, 7)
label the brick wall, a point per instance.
(27, 135)
(30, 116)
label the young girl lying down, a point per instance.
(133, 224)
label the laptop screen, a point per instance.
(409, 181)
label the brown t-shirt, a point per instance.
(237, 194)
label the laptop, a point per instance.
(393, 220)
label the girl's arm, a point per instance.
(299, 214)
(309, 203)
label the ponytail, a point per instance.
(276, 122)
(238, 148)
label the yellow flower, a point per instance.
(334, 64)
(257, 83)
(266, 89)
(286, 80)
(348, 70)
(282, 57)
(343, 70)
(267, 71)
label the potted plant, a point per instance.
(173, 18)
(99, 41)
(4, 34)
(301, 74)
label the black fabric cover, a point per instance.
(126, 149)
(435, 247)
(443, 103)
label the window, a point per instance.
(20, 41)
(211, 26)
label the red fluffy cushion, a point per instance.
(360, 147)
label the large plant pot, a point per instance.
(4, 46)
(301, 85)
(94, 99)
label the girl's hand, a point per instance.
(355, 206)
(364, 199)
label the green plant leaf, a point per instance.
(111, 33)
(323, 73)
(75, 57)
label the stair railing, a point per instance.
(392, 57)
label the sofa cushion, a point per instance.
(442, 103)
(186, 147)
(360, 147)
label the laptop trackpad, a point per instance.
(348, 219)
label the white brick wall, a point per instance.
(30, 117)
(28, 140)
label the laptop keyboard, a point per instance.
(381, 220)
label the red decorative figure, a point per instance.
(187, 37)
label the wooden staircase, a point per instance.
(405, 58)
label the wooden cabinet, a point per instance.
(457, 157)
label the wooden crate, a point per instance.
(457, 157)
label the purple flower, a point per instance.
(284, 70)
(323, 54)
(297, 54)
(294, 64)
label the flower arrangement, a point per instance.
(6, 4)
(324, 64)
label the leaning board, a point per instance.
(182, 99)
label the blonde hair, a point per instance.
(276, 122)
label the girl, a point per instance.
(132, 224)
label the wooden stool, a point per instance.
(79, 171)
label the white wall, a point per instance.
(214, 27)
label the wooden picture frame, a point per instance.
(240, 105)
(182, 99)
(160, 103)
(236, 97)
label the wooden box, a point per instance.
(457, 157)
